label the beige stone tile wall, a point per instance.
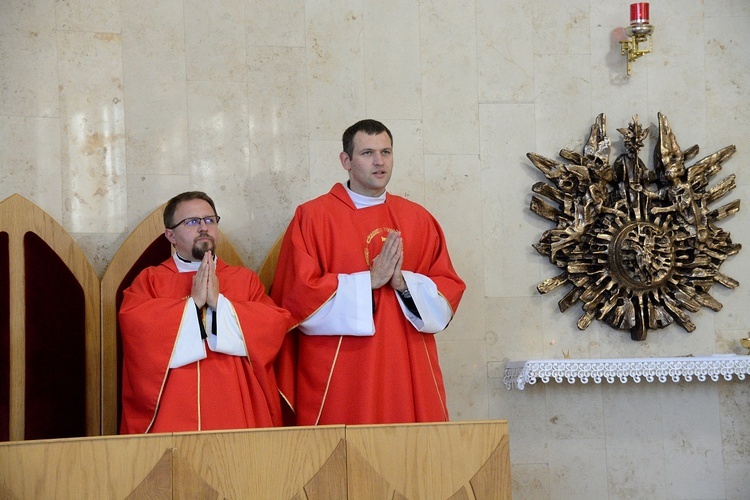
(108, 108)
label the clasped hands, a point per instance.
(386, 267)
(205, 289)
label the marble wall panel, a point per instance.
(505, 51)
(526, 414)
(738, 8)
(409, 167)
(99, 248)
(603, 13)
(735, 421)
(676, 78)
(146, 193)
(737, 477)
(511, 264)
(325, 167)
(157, 15)
(728, 341)
(247, 99)
(32, 15)
(153, 59)
(453, 187)
(393, 86)
(561, 28)
(449, 77)
(633, 429)
(219, 154)
(279, 151)
(92, 119)
(28, 89)
(577, 468)
(464, 368)
(514, 328)
(335, 67)
(576, 411)
(670, 341)
(557, 75)
(613, 92)
(728, 82)
(694, 462)
(273, 23)
(30, 161)
(88, 15)
(562, 338)
(215, 40)
(530, 481)
(733, 315)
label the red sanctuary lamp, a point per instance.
(638, 33)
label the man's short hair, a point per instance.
(369, 127)
(172, 204)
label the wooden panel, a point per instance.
(268, 268)
(467, 460)
(436, 461)
(123, 267)
(98, 467)
(4, 339)
(267, 463)
(55, 338)
(18, 217)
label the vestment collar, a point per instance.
(362, 201)
(185, 266)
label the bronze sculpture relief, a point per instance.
(641, 247)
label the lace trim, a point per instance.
(520, 373)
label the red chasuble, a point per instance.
(219, 392)
(391, 377)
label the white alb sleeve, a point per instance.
(434, 310)
(228, 338)
(189, 346)
(349, 312)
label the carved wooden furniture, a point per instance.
(49, 331)
(145, 246)
(464, 460)
(268, 268)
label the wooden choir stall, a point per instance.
(60, 362)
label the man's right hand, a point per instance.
(387, 261)
(205, 283)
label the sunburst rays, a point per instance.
(640, 247)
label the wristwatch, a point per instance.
(405, 294)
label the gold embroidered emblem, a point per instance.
(374, 244)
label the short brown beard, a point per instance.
(200, 249)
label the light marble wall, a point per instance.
(109, 107)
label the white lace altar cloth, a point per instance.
(726, 366)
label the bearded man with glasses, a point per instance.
(199, 336)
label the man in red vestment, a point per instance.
(199, 337)
(368, 280)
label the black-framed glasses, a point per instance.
(195, 221)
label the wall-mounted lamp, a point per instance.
(639, 33)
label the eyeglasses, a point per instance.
(195, 221)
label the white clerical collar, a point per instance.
(185, 266)
(362, 201)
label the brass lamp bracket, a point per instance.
(638, 43)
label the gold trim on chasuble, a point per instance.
(328, 382)
(434, 379)
(166, 372)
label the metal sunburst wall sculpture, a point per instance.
(639, 246)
